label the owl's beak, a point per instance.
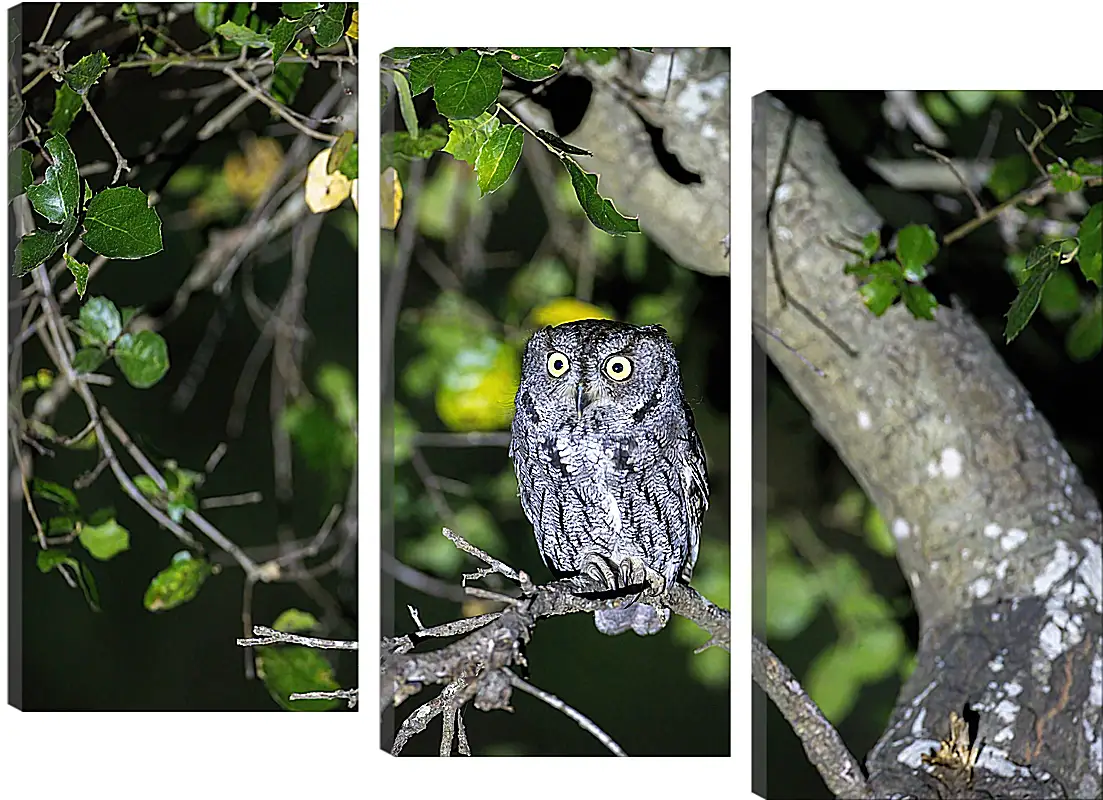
(580, 398)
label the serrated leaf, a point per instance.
(330, 25)
(55, 493)
(286, 81)
(1085, 336)
(879, 294)
(100, 320)
(404, 53)
(406, 103)
(105, 541)
(80, 274)
(297, 10)
(916, 246)
(88, 359)
(1090, 235)
(530, 63)
(498, 158)
(1091, 126)
(67, 105)
(280, 36)
(83, 75)
(424, 71)
(120, 224)
(143, 358)
(1041, 264)
(290, 669)
(56, 198)
(468, 136)
(598, 210)
(177, 583)
(467, 85)
(37, 246)
(239, 34)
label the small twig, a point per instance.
(120, 162)
(338, 694)
(825, 748)
(279, 108)
(49, 24)
(583, 721)
(231, 501)
(422, 716)
(266, 636)
(977, 205)
(494, 564)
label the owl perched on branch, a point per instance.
(611, 471)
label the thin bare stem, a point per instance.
(279, 108)
(583, 721)
(120, 162)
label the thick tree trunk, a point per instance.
(997, 534)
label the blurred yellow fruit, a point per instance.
(390, 199)
(565, 309)
(325, 190)
(354, 27)
(477, 388)
(248, 174)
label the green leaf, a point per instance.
(498, 157)
(54, 559)
(406, 103)
(1009, 175)
(290, 669)
(1064, 181)
(293, 620)
(297, 10)
(88, 359)
(1061, 297)
(405, 429)
(916, 247)
(177, 583)
(337, 385)
(20, 177)
(1086, 168)
(83, 75)
(792, 600)
(602, 55)
(239, 34)
(37, 246)
(879, 294)
(1041, 264)
(55, 493)
(1085, 337)
(1091, 127)
(147, 486)
(530, 63)
(402, 145)
(468, 136)
(280, 36)
(80, 274)
(51, 559)
(878, 649)
(286, 81)
(120, 224)
(599, 210)
(350, 164)
(67, 105)
(832, 683)
(143, 358)
(330, 26)
(100, 320)
(1090, 236)
(60, 526)
(404, 53)
(871, 244)
(56, 198)
(467, 85)
(209, 15)
(424, 71)
(105, 541)
(919, 301)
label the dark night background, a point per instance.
(186, 659)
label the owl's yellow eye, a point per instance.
(558, 364)
(618, 368)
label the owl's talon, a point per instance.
(635, 572)
(597, 569)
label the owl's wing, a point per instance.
(522, 449)
(695, 488)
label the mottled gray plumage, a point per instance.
(610, 468)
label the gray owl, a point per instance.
(610, 468)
